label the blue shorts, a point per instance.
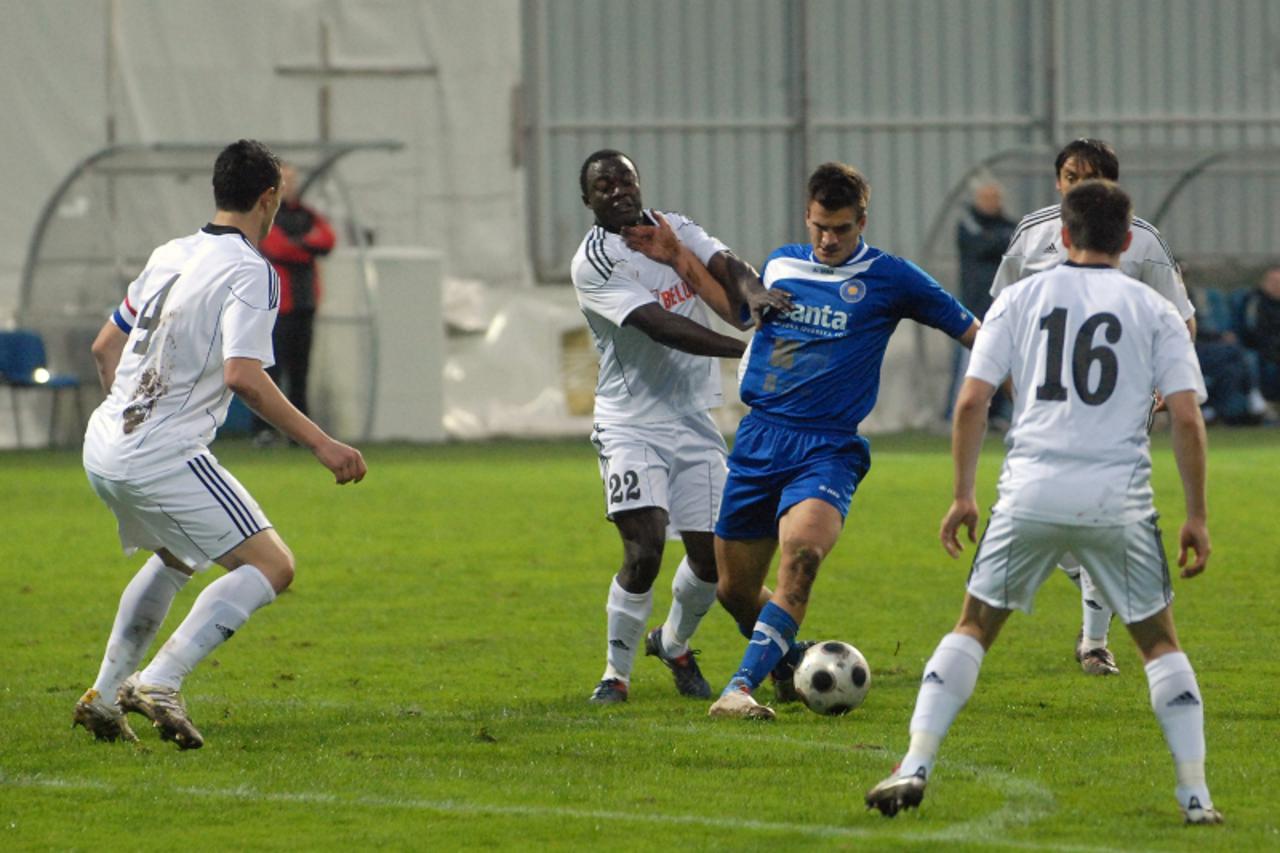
(776, 465)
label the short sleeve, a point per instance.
(611, 291)
(126, 313)
(249, 312)
(927, 302)
(1176, 366)
(1010, 269)
(993, 349)
(1163, 278)
(695, 237)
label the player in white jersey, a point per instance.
(193, 328)
(1083, 345)
(1037, 246)
(662, 459)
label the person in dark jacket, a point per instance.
(1259, 323)
(298, 238)
(982, 235)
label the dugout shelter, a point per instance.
(97, 229)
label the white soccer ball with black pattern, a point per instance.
(833, 678)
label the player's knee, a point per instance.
(278, 567)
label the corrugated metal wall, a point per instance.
(727, 104)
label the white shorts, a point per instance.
(679, 466)
(1127, 563)
(196, 511)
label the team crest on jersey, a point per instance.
(852, 290)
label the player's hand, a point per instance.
(1157, 402)
(656, 242)
(344, 461)
(765, 304)
(963, 513)
(1194, 537)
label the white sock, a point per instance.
(143, 606)
(627, 615)
(691, 598)
(949, 679)
(1175, 697)
(218, 612)
(1097, 614)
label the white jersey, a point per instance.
(200, 300)
(1084, 346)
(1037, 246)
(641, 380)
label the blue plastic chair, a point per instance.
(24, 365)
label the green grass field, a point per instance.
(423, 684)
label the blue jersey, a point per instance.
(820, 363)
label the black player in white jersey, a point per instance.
(1083, 345)
(194, 328)
(1036, 246)
(662, 459)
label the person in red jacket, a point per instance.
(299, 236)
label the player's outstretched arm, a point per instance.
(742, 283)
(968, 427)
(246, 378)
(1189, 443)
(108, 346)
(660, 243)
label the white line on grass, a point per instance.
(244, 792)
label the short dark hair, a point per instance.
(242, 173)
(1097, 214)
(836, 186)
(1098, 155)
(596, 157)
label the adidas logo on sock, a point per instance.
(1184, 698)
(933, 678)
(224, 631)
(1092, 605)
(619, 644)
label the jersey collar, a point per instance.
(210, 228)
(852, 259)
(1088, 266)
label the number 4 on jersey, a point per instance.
(149, 317)
(1083, 356)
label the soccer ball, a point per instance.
(833, 678)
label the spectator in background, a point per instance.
(1259, 321)
(299, 236)
(1230, 373)
(982, 235)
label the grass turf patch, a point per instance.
(423, 683)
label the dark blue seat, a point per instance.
(24, 365)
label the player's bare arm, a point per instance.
(968, 427)
(1189, 443)
(660, 243)
(740, 278)
(681, 333)
(108, 346)
(246, 377)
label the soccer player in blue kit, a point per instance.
(810, 376)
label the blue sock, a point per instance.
(774, 633)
